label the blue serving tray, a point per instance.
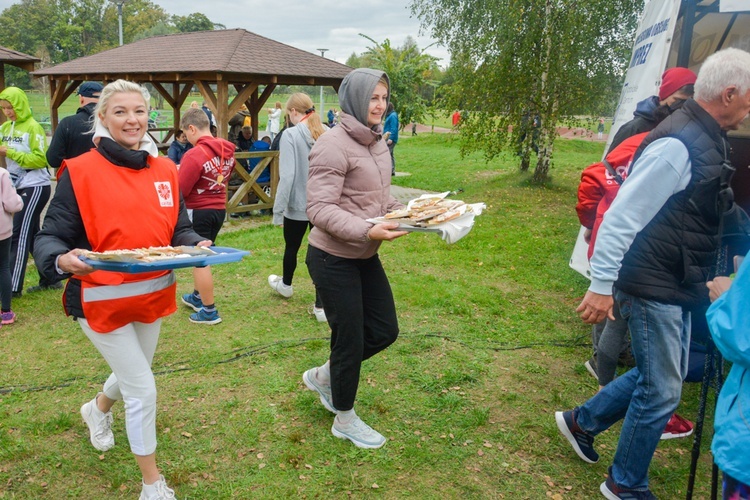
(223, 255)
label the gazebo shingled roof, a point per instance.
(14, 58)
(223, 57)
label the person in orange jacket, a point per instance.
(101, 202)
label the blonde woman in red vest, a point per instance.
(100, 203)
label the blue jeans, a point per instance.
(647, 395)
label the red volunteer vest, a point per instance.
(124, 208)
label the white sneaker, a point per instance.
(99, 424)
(319, 313)
(311, 381)
(277, 283)
(358, 432)
(157, 491)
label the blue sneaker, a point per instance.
(613, 492)
(207, 318)
(582, 443)
(192, 302)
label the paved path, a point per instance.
(404, 194)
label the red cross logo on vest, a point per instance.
(164, 191)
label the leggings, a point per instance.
(294, 231)
(25, 227)
(129, 351)
(612, 341)
(5, 288)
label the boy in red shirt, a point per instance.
(204, 174)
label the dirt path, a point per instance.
(563, 132)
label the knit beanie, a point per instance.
(673, 80)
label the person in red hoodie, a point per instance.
(599, 185)
(204, 174)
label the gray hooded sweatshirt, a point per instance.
(350, 174)
(291, 195)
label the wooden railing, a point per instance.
(250, 195)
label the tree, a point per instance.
(192, 22)
(409, 70)
(68, 29)
(525, 58)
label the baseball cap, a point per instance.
(673, 80)
(90, 89)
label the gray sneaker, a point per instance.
(358, 432)
(99, 424)
(311, 381)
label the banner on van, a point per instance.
(650, 54)
(734, 5)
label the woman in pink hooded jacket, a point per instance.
(349, 182)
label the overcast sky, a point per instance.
(312, 24)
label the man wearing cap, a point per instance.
(73, 134)
(656, 248)
(676, 86)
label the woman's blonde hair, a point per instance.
(304, 105)
(117, 87)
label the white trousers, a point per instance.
(129, 351)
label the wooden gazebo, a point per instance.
(206, 60)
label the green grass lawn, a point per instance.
(490, 347)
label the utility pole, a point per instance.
(323, 55)
(119, 4)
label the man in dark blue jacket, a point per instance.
(654, 253)
(73, 134)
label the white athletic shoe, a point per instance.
(157, 491)
(324, 391)
(319, 313)
(99, 424)
(277, 283)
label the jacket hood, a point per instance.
(216, 146)
(146, 144)
(17, 98)
(646, 108)
(623, 153)
(356, 90)
(304, 132)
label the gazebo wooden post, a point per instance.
(2, 87)
(176, 107)
(254, 110)
(222, 108)
(53, 107)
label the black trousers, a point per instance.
(25, 226)
(5, 288)
(359, 305)
(294, 231)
